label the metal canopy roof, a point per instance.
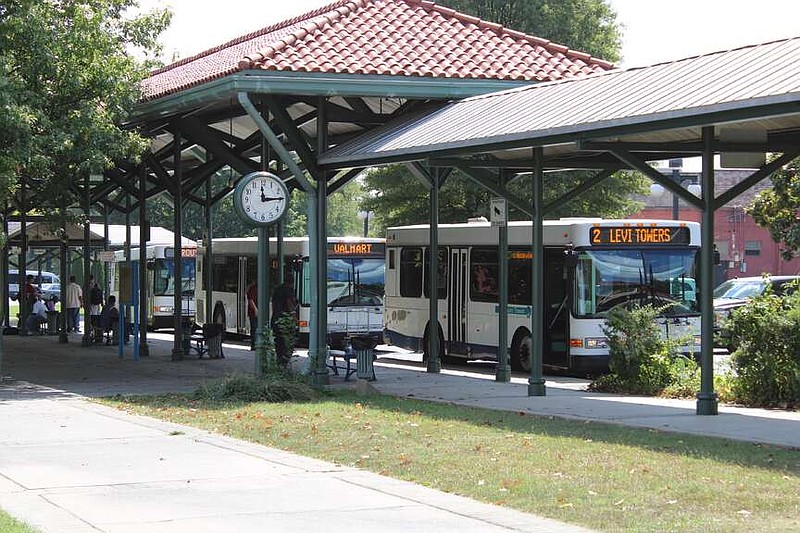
(660, 108)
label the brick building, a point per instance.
(746, 249)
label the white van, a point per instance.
(49, 284)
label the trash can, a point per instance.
(52, 322)
(364, 347)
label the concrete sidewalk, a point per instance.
(68, 465)
(71, 466)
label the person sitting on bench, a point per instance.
(109, 318)
(38, 316)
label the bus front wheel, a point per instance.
(521, 351)
(219, 316)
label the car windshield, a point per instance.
(739, 289)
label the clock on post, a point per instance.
(261, 199)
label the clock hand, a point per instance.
(271, 198)
(263, 198)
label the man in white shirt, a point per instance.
(38, 315)
(73, 305)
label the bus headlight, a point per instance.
(163, 309)
(595, 343)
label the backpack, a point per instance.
(96, 296)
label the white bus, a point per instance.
(161, 282)
(590, 267)
(355, 284)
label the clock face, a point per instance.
(262, 198)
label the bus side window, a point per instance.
(391, 260)
(484, 275)
(441, 274)
(411, 272)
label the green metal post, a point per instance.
(320, 329)
(320, 375)
(536, 386)
(208, 256)
(503, 371)
(144, 234)
(434, 350)
(707, 398)
(315, 351)
(262, 277)
(86, 338)
(177, 347)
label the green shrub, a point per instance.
(273, 387)
(642, 361)
(766, 362)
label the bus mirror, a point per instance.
(570, 257)
(717, 259)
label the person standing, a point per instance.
(252, 312)
(73, 305)
(30, 293)
(96, 302)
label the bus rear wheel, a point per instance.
(521, 351)
(426, 350)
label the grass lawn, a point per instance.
(8, 524)
(601, 476)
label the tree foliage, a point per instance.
(778, 209)
(398, 198)
(586, 25)
(68, 79)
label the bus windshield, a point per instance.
(352, 282)
(164, 280)
(666, 279)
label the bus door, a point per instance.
(242, 322)
(456, 334)
(556, 305)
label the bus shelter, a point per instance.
(274, 100)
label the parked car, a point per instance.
(51, 291)
(735, 293)
(47, 283)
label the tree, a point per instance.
(400, 199)
(778, 209)
(68, 78)
(586, 25)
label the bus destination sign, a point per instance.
(640, 235)
(356, 248)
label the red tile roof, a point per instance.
(388, 37)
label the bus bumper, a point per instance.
(589, 365)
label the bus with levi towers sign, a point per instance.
(591, 266)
